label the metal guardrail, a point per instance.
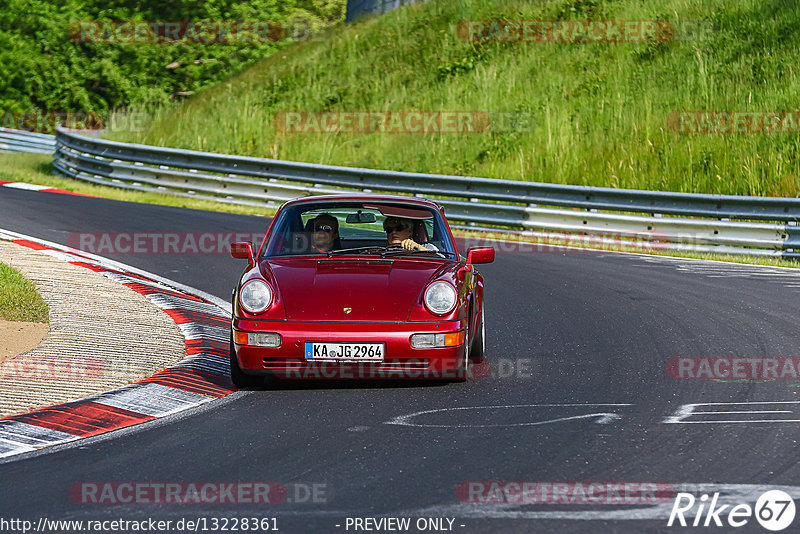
(751, 225)
(23, 141)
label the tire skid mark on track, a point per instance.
(201, 377)
(785, 276)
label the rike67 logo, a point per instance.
(774, 510)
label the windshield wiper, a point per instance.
(404, 251)
(385, 251)
(355, 249)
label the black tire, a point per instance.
(239, 378)
(477, 353)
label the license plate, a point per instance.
(355, 352)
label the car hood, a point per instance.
(324, 289)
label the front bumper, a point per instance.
(400, 359)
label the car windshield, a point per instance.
(358, 228)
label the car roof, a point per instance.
(365, 198)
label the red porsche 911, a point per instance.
(361, 286)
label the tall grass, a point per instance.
(600, 109)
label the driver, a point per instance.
(325, 234)
(398, 232)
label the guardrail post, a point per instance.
(792, 238)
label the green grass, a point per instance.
(599, 110)
(37, 169)
(19, 300)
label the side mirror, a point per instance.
(243, 250)
(480, 255)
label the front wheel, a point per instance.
(239, 378)
(476, 353)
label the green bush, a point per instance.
(42, 69)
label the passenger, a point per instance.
(325, 234)
(398, 232)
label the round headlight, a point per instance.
(440, 297)
(255, 296)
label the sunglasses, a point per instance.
(324, 228)
(398, 228)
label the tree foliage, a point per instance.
(43, 69)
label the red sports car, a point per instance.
(360, 286)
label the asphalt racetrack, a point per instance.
(578, 393)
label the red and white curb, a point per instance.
(201, 377)
(35, 187)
